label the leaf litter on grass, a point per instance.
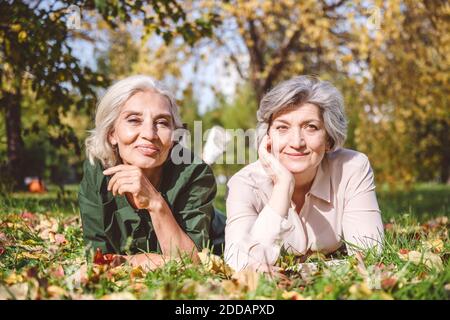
(42, 257)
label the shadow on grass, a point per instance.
(423, 202)
(54, 201)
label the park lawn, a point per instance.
(41, 253)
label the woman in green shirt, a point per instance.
(143, 196)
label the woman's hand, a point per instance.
(128, 179)
(281, 176)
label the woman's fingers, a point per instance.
(118, 168)
(131, 172)
(129, 183)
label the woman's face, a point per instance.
(298, 138)
(143, 130)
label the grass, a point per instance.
(41, 253)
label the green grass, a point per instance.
(41, 254)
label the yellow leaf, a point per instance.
(137, 272)
(214, 263)
(119, 296)
(437, 245)
(360, 290)
(14, 278)
(31, 255)
(292, 295)
(55, 291)
(15, 27)
(430, 259)
(22, 36)
(247, 278)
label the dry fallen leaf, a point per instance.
(17, 291)
(56, 292)
(214, 263)
(46, 227)
(58, 272)
(31, 255)
(292, 295)
(14, 278)
(233, 288)
(60, 239)
(435, 245)
(247, 278)
(388, 283)
(360, 291)
(430, 259)
(119, 296)
(137, 272)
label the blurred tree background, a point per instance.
(390, 59)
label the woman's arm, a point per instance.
(94, 234)
(254, 239)
(195, 208)
(172, 239)
(91, 211)
(362, 224)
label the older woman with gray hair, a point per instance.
(305, 193)
(137, 199)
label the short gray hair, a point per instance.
(298, 91)
(108, 110)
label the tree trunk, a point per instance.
(14, 139)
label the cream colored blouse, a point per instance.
(341, 205)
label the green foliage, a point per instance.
(38, 65)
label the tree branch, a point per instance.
(233, 57)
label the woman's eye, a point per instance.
(133, 120)
(162, 123)
(311, 127)
(281, 128)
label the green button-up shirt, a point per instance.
(113, 225)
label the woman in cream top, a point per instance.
(305, 193)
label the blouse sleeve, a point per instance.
(194, 206)
(91, 210)
(252, 239)
(362, 224)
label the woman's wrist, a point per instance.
(285, 185)
(280, 199)
(156, 204)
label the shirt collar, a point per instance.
(321, 187)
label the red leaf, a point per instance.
(60, 239)
(2, 250)
(107, 258)
(388, 283)
(403, 251)
(28, 215)
(98, 258)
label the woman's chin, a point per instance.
(148, 163)
(295, 168)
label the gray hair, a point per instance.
(298, 91)
(108, 110)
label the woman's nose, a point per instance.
(149, 131)
(296, 139)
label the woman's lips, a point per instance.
(148, 150)
(296, 154)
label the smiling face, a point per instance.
(143, 130)
(298, 138)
